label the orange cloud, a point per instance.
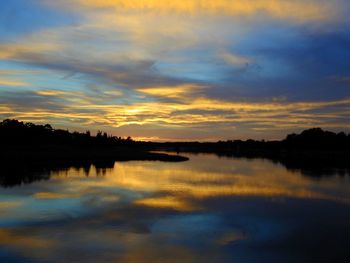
(50, 92)
(292, 10)
(175, 92)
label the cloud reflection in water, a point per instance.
(209, 208)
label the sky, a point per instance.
(160, 70)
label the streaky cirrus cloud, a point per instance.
(167, 70)
(291, 10)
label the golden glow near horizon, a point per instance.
(189, 112)
(179, 70)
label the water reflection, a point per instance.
(315, 166)
(13, 174)
(25, 174)
(208, 209)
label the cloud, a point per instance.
(10, 51)
(296, 10)
(181, 92)
(189, 112)
(341, 78)
(51, 92)
(169, 68)
(234, 59)
(12, 83)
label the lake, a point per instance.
(208, 209)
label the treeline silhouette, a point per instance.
(317, 138)
(314, 139)
(15, 133)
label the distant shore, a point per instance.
(57, 155)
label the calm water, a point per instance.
(208, 209)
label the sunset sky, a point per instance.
(177, 70)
